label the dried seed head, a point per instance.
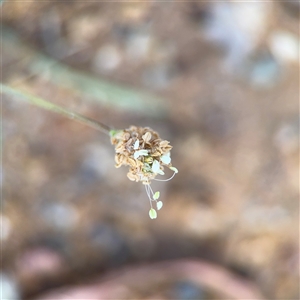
(145, 153)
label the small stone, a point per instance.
(239, 27)
(285, 46)
(110, 242)
(59, 215)
(96, 163)
(185, 290)
(39, 261)
(159, 76)
(265, 72)
(107, 59)
(287, 138)
(9, 289)
(138, 45)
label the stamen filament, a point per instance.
(150, 189)
(148, 194)
(165, 179)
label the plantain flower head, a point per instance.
(146, 154)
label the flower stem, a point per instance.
(54, 108)
(91, 88)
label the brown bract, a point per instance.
(141, 149)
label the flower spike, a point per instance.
(146, 154)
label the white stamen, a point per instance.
(139, 153)
(168, 178)
(136, 145)
(150, 189)
(148, 193)
(166, 159)
(160, 172)
(155, 166)
(159, 205)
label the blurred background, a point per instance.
(220, 80)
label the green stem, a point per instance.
(89, 87)
(54, 108)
